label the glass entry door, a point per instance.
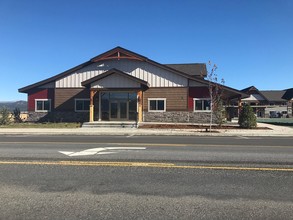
(118, 110)
(119, 106)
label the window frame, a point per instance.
(157, 99)
(42, 100)
(81, 99)
(201, 99)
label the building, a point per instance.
(288, 95)
(266, 103)
(121, 85)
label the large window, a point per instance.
(202, 104)
(157, 105)
(82, 105)
(43, 105)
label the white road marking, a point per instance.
(243, 137)
(99, 150)
(130, 136)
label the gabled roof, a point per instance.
(250, 88)
(268, 95)
(121, 53)
(274, 95)
(193, 69)
(56, 77)
(288, 95)
(254, 96)
(88, 82)
(115, 53)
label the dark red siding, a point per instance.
(40, 94)
(197, 92)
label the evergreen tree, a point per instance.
(4, 116)
(247, 119)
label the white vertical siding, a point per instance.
(115, 81)
(155, 76)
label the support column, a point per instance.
(100, 106)
(92, 94)
(140, 101)
(239, 105)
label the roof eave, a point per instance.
(51, 79)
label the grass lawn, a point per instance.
(42, 125)
(277, 121)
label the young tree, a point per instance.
(16, 115)
(247, 119)
(215, 92)
(4, 116)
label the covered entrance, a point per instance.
(118, 106)
(115, 96)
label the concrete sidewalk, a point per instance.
(272, 131)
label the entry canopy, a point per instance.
(115, 79)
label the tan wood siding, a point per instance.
(64, 98)
(176, 98)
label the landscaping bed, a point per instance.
(192, 126)
(41, 125)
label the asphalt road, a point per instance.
(145, 177)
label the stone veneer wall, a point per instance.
(58, 117)
(178, 117)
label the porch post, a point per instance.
(100, 106)
(92, 93)
(239, 105)
(139, 99)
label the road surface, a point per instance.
(89, 177)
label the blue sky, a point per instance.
(251, 41)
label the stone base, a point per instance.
(178, 117)
(58, 117)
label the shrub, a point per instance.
(220, 113)
(247, 119)
(4, 116)
(16, 115)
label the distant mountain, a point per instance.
(22, 105)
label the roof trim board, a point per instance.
(88, 82)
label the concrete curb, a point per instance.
(274, 131)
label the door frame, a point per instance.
(119, 110)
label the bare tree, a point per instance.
(215, 92)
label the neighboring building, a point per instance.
(120, 85)
(268, 103)
(276, 104)
(288, 95)
(256, 100)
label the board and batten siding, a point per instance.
(155, 76)
(64, 98)
(176, 98)
(115, 81)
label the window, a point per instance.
(202, 104)
(43, 105)
(82, 105)
(157, 105)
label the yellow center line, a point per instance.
(151, 144)
(142, 164)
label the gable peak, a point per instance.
(118, 53)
